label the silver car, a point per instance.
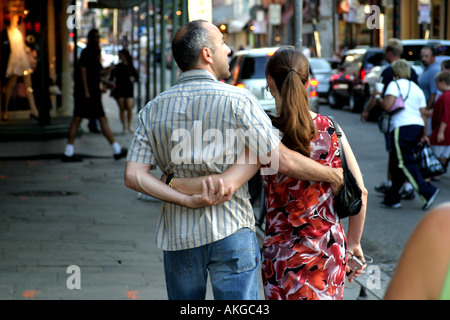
(322, 72)
(247, 71)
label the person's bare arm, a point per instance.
(423, 266)
(296, 165)
(235, 176)
(431, 101)
(387, 103)
(138, 178)
(368, 107)
(355, 223)
(441, 132)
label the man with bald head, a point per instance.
(190, 131)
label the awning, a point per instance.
(115, 4)
(237, 25)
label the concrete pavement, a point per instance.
(58, 215)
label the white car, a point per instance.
(247, 69)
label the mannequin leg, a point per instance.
(30, 95)
(12, 81)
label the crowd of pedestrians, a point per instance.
(423, 120)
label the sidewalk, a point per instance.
(55, 215)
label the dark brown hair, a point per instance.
(290, 70)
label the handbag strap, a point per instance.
(341, 147)
(400, 92)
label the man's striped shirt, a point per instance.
(198, 127)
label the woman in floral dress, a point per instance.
(305, 247)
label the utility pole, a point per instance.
(298, 17)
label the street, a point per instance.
(58, 215)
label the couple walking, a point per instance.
(207, 223)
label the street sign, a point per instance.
(200, 10)
(275, 14)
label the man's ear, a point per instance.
(207, 54)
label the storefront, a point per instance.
(403, 19)
(36, 87)
(425, 19)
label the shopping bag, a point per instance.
(429, 164)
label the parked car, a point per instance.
(322, 72)
(247, 69)
(348, 85)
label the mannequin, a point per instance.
(18, 66)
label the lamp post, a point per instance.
(298, 18)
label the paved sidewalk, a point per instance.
(55, 215)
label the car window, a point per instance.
(233, 63)
(412, 52)
(254, 67)
(352, 59)
(374, 59)
(318, 64)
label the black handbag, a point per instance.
(349, 201)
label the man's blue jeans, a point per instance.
(232, 264)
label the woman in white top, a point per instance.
(408, 128)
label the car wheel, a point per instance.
(335, 102)
(351, 102)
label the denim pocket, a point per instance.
(178, 262)
(239, 251)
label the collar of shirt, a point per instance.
(196, 74)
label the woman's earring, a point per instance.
(269, 94)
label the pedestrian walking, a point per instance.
(88, 99)
(124, 75)
(440, 135)
(426, 79)
(172, 132)
(427, 82)
(408, 129)
(305, 247)
(393, 52)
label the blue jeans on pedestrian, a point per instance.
(231, 262)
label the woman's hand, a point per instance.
(356, 251)
(424, 139)
(209, 197)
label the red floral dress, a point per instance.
(304, 245)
